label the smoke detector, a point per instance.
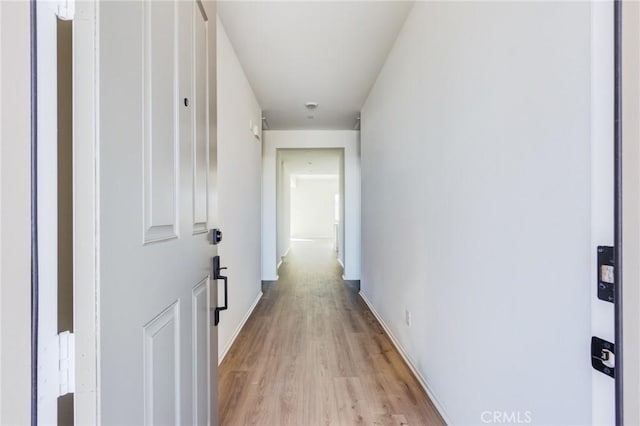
(311, 105)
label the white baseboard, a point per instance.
(342, 264)
(282, 257)
(235, 334)
(408, 360)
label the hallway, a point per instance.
(312, 353)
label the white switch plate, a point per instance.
(407, 317)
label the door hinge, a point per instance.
(66, 363)
(66, 9)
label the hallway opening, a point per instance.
(313, 353)
(310, 198)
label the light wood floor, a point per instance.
(312, 353)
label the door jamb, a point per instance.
(86, 213)
(630, 131)
(617, 208)
(34, 212)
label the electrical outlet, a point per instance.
(407, 317)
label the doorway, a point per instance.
(310, 199)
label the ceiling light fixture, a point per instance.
(311, 105)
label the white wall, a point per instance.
(631, 210)
(601, 174)
(313, 207)
(15, 219)
(476, 205)
(239, 189)
(349, 140)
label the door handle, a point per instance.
(217, 276)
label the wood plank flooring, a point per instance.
(312, 353)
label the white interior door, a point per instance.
(156, 132)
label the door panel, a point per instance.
(162, 368)
(155, 177)
(201, 322)
(201, 121)
(160, 46)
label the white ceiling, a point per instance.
(324, 162)
(329, 52)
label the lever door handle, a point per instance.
(217, 276)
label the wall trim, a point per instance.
(235, 333)
(407, 360)
(344, 278)
(286, 253)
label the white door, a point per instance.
(156, 130)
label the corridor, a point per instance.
(312, 353)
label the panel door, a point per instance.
(156, 135)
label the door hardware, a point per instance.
(603, 356)
(215, 236)
(608, 358)
(216, 276)
(606, 265)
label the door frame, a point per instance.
(86, 205)
(630, 210)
